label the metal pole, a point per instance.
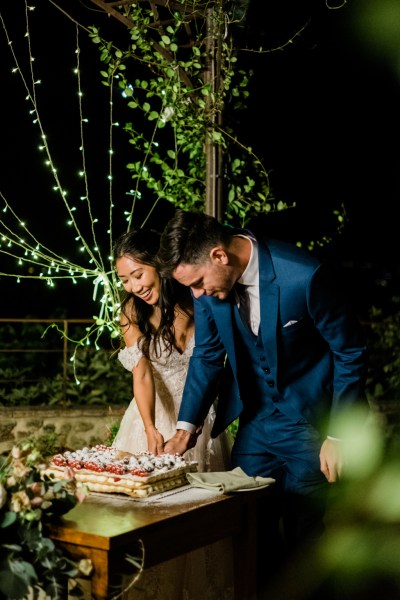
(213, 151)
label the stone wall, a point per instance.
(87, 426)
(77, 427)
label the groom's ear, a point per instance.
(218, 255)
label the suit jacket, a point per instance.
(318, 362)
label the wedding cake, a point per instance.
(107, 469)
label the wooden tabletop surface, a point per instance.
(105, 527)
(106, 521)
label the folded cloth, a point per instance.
(227, 481)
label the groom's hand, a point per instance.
(181, 442)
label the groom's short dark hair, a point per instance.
(188, 238)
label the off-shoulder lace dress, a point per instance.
(169, 372)
(204, 574)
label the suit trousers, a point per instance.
(291, 517)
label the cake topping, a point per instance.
(109, 470)
(108, 458)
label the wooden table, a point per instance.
(105, 528)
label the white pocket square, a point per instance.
(289, 323)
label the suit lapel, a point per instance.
(224, 317)
(269, 305)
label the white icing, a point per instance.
(106, 461)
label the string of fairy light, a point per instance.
(19, 244)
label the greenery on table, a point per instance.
(29, 560)
(31, 565)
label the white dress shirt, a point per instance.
(250, 279)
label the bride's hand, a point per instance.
(155, 440)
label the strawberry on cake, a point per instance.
(107, 469)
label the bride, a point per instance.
(158, 330)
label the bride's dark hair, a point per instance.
(141, 245)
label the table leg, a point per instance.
(245, 553)
(100, 576)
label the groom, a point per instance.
(295, 356)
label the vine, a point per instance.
(178, 95)
(177, 110)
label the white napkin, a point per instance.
(227, 481)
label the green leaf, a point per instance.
(236, 164)
(216, 136)
(13, 586)
(8, 519)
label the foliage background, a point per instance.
(322, 114)
(320, 111)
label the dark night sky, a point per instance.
(323, 115)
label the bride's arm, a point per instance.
(144, 393)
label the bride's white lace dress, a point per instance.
(205, 574)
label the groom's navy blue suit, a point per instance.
(311, 369)
(289, 383)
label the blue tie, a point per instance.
(244, 302)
